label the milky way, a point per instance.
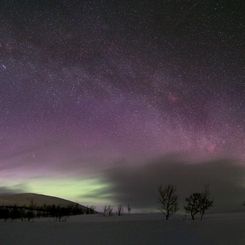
(90, 83)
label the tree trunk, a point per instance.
(202, 214)
(192, 216)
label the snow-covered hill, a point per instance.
(27, 199)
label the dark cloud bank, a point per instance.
(138, 185)
(20, 188)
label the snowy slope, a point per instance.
(26, 199)
(225, 229)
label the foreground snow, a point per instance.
(128, 229)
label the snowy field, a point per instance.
(129, 229)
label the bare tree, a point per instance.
(110, 210)
(168, 200)
(119, 210)
(193, 204)
(205, 202)
(107, 211)
(129, 208)
(198, 202)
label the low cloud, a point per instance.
(12, 190)
(138, 185)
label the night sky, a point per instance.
(90, 87)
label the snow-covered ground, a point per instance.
(129, 229)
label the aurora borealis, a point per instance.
(86, 86)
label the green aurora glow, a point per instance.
(87, 191)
